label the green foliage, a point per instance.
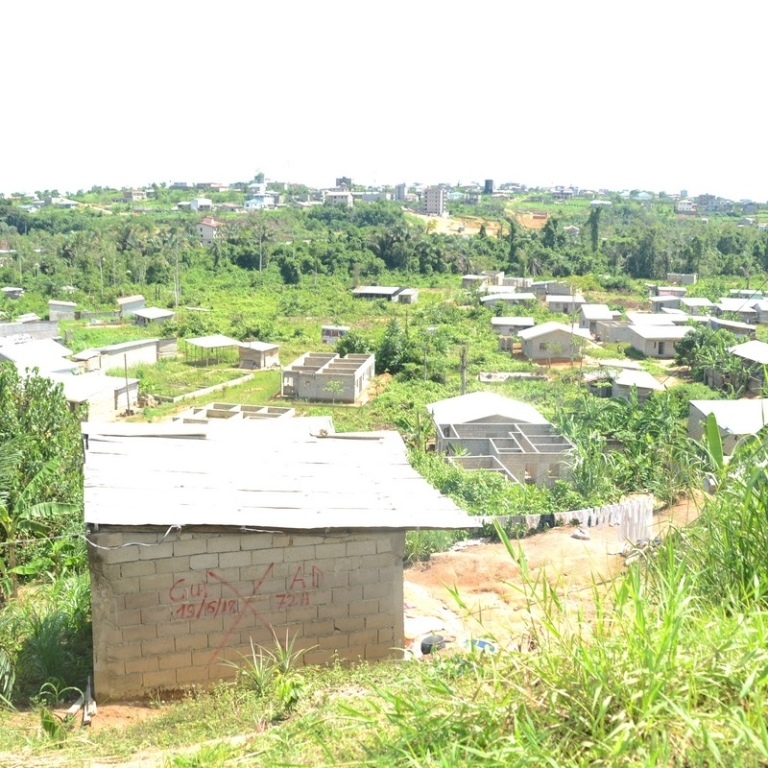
(272, 674)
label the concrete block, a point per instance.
(156, 583)
(211, 624)
(335, 642)
(299, 554)
(374, 591)
(282, 540)
(156, 551)
(338, 549)
(252, 541)
(191, 675)
(128, 618)
(224, 543)
(140, 600)
(107, 539)
(353, 653)
(165, 678)
(122, 555)
(157, 614)
(264, 557)
(144, 664)
(365, 547)
(349, 624)
(379, 620)
(172, 565)
(137, 568)
(383, 544)
(363, 576)
(373, 652)
(364, 608)
(383, 560)
(348, 594)
(124, 586)
(203, 562)
(190, 547)
(302, 614)
(139, 633)
(235, 559)
(173, 628)
(363, 637)
(116, 687)
(124, 652)
(115, 668)
(320, 627)
(181, 660)
(111, 572)
(319, 656)
(349, 563)
(387, 636)
(143, 537)
(332, 611)
(191, 642)
(333, 580)
(201, 658)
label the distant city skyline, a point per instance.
(660, 97)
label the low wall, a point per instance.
(170, 609)
(204, 392)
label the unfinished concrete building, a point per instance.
(484, 430)
(199, 548)
(328, 378)
(214, 412)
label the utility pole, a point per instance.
(464, 369)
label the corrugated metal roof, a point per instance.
(661, 332)
(464, 409)
(216, 341)
(283, 475)
(736, 417)
(596, 312)
(551, 327)
(755, 351)
(639, 379)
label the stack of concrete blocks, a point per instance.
(170, 611)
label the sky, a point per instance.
(662, 96)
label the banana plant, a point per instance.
(24, 519)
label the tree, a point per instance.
(41, 459)
(34, 414)
(394, 350)
(593, 222)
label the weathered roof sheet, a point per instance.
(154, 313)
(218, 340)
(736, 417)
(596, 312)
(663, 332)
(464, 409)
(551, 327)
(283, 475)
(648, 318)
(130, 299)
(259, 346)
(639, 379)
(754, 351)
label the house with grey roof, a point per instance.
(484, 430)
(207, 540)
(554, 342)
(590, 314)
(658, 340)
(564, 304)
(735, 419)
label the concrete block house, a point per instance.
(484, 430)
(327, 377)
(204, 540)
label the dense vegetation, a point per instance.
(671, 667)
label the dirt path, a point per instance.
(487, 581)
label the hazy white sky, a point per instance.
(654, 95)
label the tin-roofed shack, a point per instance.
(203, 538)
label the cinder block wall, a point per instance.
(168, 611)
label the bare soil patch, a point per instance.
(488, 581)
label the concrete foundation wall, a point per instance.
(136, 353)
(169, 610)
